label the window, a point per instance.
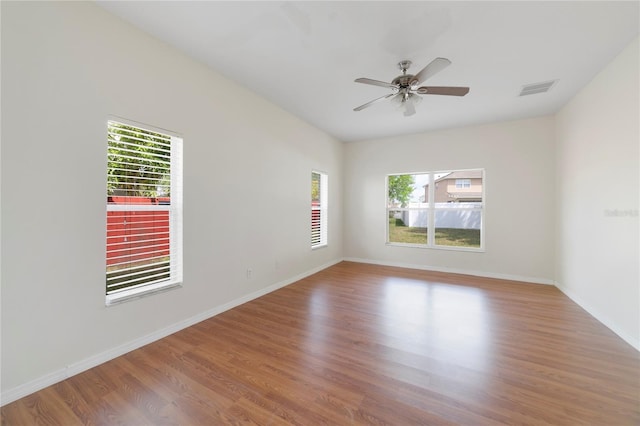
(436, 209)
(144, 211)
(463, 183)
(319, 188)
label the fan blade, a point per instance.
(376, 83)
(442, 90)
(368, 104)
(430, 70)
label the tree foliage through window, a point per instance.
(138, 162)
(400, 189)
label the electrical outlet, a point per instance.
(249, 274)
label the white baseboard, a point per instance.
(28, 388)
(484, 274)
(606, 321)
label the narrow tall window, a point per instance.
(144, 211)
(319, 189)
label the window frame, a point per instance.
(174, 211)
(322, 208)
(431, 210)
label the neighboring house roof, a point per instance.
(462, 174)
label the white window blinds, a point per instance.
(144, 210)
(319, 188)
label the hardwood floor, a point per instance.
(365, 344)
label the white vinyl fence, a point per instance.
(448, 215)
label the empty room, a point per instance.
(320, 213)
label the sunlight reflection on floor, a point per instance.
(419, 316)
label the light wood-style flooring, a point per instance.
(366, 344)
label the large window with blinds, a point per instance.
(319, 188)
(144, 211)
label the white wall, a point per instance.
(598, 196)
(66, 67)
(518, 158)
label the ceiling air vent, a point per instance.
(532, 89)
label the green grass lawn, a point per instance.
(399, 233)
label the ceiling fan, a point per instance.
(405, 88)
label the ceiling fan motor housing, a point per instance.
(404, 81)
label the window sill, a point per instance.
(449, 248)
(137, 293)
(319, 246)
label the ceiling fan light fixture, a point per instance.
(410, 105)
(406, 103)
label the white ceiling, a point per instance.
(304, 56)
